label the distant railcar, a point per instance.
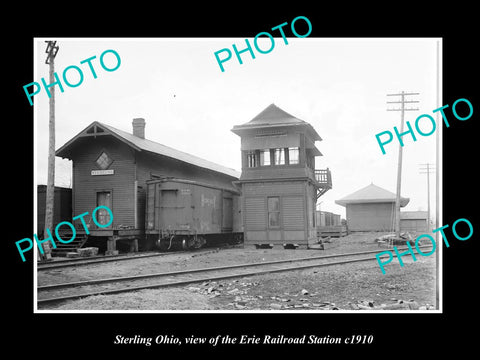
(62, 208)
(188, 214)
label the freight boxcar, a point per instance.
(188, 214)
(62, 207)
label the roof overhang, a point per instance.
(94, 130)
(403, 201)
(250, 128)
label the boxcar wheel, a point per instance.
(185, 244)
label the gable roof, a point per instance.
(371, 194)
(140, 144)
(273, 116)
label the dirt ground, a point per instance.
(355, 286)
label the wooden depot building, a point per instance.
(279, 181)
(111, 167)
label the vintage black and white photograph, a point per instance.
(272, 174)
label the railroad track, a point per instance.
(55, 293)
(104, 259)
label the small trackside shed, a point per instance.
(279, 183)
(371, 208)
(413, 221)
(111, 167)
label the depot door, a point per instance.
(104, 198)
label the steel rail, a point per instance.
(99, 260)
(202, 279)
(95, 260)
(191, 271)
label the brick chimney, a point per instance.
(139, 127)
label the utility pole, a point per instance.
(438, 162)
(51, 51)
(402, 109)
(427, 169)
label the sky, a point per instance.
(338, 85)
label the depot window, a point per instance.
(103, 161)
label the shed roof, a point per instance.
(273, 116)
(140, 144)
(371, 194)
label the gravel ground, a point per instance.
(339, 287)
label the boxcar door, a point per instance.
(104, 198)
(168, 209)
(227, 219)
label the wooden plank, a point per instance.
(293, 214)
(334, 231)
(255, 213)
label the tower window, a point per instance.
(279, 157)
(273, 212)
(293, 155)
(253, 158)
(265, 157)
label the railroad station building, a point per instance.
(279, 182)
(111, 168)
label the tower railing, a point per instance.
(324, 178)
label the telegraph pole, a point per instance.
(51, 51)
(402, 109)
(427, 169)
(437, 184)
